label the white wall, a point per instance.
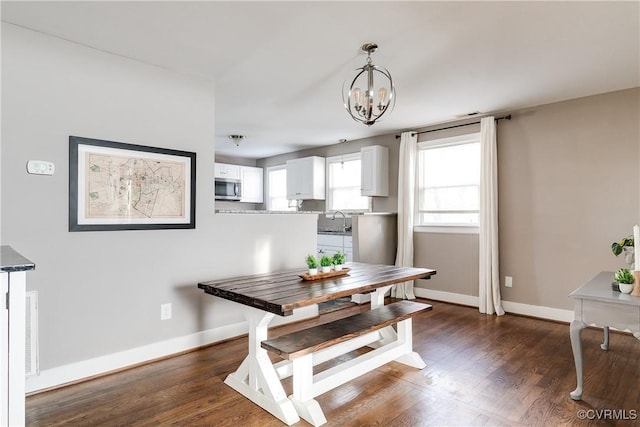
(100, 292)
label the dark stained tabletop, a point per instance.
(283, 291)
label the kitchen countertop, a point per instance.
(263, 212)
(10, 260)
(335, 232)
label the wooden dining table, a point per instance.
(264, 296)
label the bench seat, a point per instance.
(304, 349)
(300, 343)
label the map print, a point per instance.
(129, 187)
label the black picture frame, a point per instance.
(119, 186)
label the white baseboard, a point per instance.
(548, 313)
(541, 312)
(111, 362)
(100, 365)
(447, 297)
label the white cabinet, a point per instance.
(329, 244)
(252, 187)
(375, 171)
(223, 170)
(13, 315)
(305, 178)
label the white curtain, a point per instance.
(489, 291)
(406, 201)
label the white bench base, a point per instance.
(259, 380)
(307, 386)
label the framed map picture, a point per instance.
(117, 186)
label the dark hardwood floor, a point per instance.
(481, 370)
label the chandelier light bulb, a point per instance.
(356, 95)
(382, 96)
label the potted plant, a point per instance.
(312, 264)
(338, 261)
(325, 264)
(625, 280)
(625, 245)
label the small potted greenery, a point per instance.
(338, 261)
(312, 264)
(325, 264)
(625, 245)
(625, 280)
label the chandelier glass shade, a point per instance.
(371, 92)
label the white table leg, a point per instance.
(387, 334)
(576, 345)
(377, 297)
(605, 344)
(256, 378)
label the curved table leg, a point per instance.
(605, 344)
(576, 327)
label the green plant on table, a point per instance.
(624, 275)
(338, 258)
(618, 247)
(312, 262)
(325, 261)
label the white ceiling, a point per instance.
(278, 67)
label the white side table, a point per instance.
(596, 303)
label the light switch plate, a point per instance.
(40, 167)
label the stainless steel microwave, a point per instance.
(228, 189)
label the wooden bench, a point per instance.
(306, 348)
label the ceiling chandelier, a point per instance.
(236, 139)
(365, 100)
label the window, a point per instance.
(277, 189)
(343, 184)
(449, 182)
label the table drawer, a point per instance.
(619, 316)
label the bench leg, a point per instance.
(256, 378)
(405, 334)
(308, 408)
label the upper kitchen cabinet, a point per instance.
(305, 178)
(375, 171)
(223, 170)
(252, 184)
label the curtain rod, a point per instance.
(507, 117)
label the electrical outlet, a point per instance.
(508, 281)
(165, 311)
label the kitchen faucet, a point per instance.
(344, 219)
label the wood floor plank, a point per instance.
(481, 370)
